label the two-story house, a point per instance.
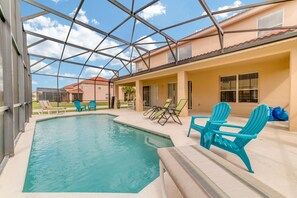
(89, 89)
(252, 66)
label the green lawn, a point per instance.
(70, 104)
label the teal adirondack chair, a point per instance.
(79, 107)
(220, 113)
(92, 105)
(253, 127)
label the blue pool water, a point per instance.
(91, 153)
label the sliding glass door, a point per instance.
(172, 93)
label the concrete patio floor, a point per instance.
(273, 156)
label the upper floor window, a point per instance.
(185, 52)
(269, 21)
(239, 88)
(139, 66)
(170, 57)
(99, 87)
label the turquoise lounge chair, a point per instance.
(79, 107)
(255, 124)
(92, 105)
(220, 113)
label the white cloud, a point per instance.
(34, 82)
(225, 15)
(148, 40)
(93, 72)
(39, 66)
(68, 75)
(153, 10)
(81, 15)
(56, 1)
(95, 22)
(79, 35)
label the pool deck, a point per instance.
(273, 156)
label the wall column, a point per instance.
(182, 90)
(293, 91)
(139, 95)
(116, 95)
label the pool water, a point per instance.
(91, 153)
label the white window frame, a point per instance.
(237, 88)
(269, 15)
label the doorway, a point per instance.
(172, 93)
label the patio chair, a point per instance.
(155, 109)
(46, 106)
(220, 113)
(253, 127)
(79, 107)
(172, 112)
(92, 105)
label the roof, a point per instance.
(97, 80)
(111, 62)
(274, 36)
(76, 91)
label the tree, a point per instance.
(129, 92)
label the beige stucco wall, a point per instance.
(273, 85)
(209, 44)
(88, 92)
(162, 84)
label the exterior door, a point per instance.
(189, 94)
(154, 95)
(172, 93)
(146, 96)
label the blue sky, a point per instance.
(105, 16)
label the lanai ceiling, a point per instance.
(107, 36)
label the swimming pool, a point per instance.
(91, 153)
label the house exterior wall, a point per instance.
(162, 84)
(101, 93)
(273, 85)
(247, 20)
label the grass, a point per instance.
(36, 105)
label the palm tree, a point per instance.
(129, 92)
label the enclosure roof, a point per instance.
(85, 40)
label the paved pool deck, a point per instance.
(273, 156)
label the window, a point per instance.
(172, 93)
(170, 57)
(228, 89)
(185, 52)
(239, 88)
(139, 66)
(248, 88)
(99, 87)
(272, 20)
